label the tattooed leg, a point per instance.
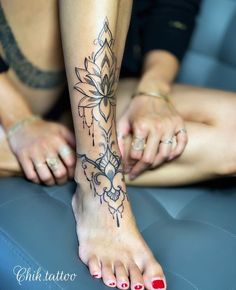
(106, 227)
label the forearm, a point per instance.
(159, 71)
(13, 106)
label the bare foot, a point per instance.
(118, 255)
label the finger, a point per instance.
(57, 168)
(164, 151)
(68, 157)
(148, 157)
(28, 168)
(68, 135)
(123, 129)
(140, 134)
(181, 140)
(138, 144)
(43, 172)
(128, 162)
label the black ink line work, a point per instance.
(28, 73)
(97, 84)
(106, 177)
(98, 81)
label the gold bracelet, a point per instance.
(152, 94)
(18, 125)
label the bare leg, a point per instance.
(210, 121)
(100, 203)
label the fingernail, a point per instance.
(95, 275)
(111, 283)
(158, 284)
(138, 287)
(124, 285)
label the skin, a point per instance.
(19, 101)
(210, 115)
(153, 119)
(121, 263)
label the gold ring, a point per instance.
(52, 163)
(138, 144)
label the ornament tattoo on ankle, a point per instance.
(97, 85)
(106, 177)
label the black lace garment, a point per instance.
(158, 24)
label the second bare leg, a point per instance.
(209, 116)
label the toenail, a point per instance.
(158, 284)
(95, 275)
(138, 287)
(124, 285)
(111, 283)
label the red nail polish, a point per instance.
(112, 284)
(124, 285)
(95, 275)
(158, 284)
(138, 287)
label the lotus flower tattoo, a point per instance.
(97, 84)
(98, 80)
(105, 176)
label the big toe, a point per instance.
(154, 277)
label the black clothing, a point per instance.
(3, 66)
(158, 24)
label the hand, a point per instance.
(158, 134)
(44, 151)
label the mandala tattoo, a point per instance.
(106, 176)
(98, 81)
(97, 84)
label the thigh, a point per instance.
(33, 51)
(194, 104)
(203, 105)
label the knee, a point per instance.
(226, 157)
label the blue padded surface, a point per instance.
(211, 58)
(191, 230)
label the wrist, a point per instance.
(20, 124)
(151, 82)
(11, 118)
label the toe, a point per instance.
(136, 278)
(154, 277)
(94, 267)
(122, 279)
(108, 275)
